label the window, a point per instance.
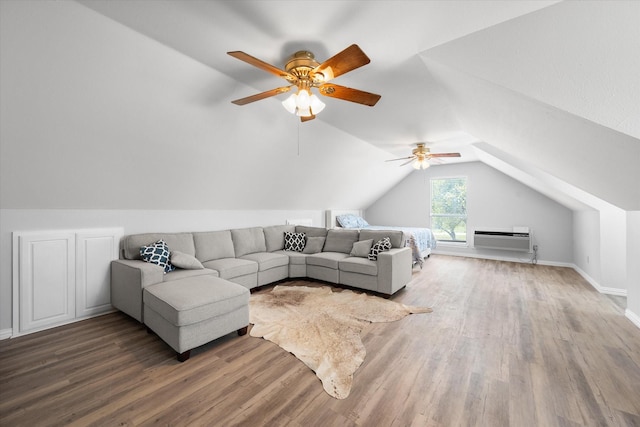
(449, 209)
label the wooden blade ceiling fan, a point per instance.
(421, 155)
(303, 72)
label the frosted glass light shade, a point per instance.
(316, 104)
(303, 105)
(290, 103)
(303, 100)
(420, 164)
(303, 112)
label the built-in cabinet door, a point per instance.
(61, 276)
(95, 249)
(47, 279)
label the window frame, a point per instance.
(465, 217)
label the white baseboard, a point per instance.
(5, 334)
(602, 289)
(635, 319)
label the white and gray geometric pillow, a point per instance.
(380, 246)
(294, 241)
(157, 253)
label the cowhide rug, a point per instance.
(322, 328)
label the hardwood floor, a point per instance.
(507, 345)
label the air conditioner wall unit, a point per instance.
(518, 239)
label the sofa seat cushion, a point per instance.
(232, 267)
(181, 274)
(359, 265)
(266, 260)
(295, 258)
(326, 259)
(194, 299)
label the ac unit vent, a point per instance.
(504, 240)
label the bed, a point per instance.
(420, 240)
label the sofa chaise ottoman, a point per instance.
(195, 311)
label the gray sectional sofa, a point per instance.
(181, 305)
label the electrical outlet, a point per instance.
(587, 259)
(535, 247)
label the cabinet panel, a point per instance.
(95, 251)
(47, 280)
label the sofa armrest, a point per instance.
(128, 279)
(394, 270)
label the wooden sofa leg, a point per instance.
(184, 356)
(243, 331)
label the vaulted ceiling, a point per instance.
(546, 91)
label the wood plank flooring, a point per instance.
(507, 345)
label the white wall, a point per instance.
(586, 244)
(133, 221)
(493, 200)
(633, 267)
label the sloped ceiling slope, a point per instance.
(557, 89)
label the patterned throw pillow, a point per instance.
(380, 246)
(157, 254)
(294, 241)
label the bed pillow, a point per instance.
(185, 261)
(158, 254)
(294, 241)
(351, 221)
(380, 246)
(313, 245)
(362, 248)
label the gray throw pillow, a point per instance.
(362, 248)
(186, 261)
(314, 245)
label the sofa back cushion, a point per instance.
(396, 236)
(181, 242)
(340, 241)
(274, 236)
(311, 231)
(248, 241)
(212, 245)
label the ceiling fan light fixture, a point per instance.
(420, 164)
(303, 105)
